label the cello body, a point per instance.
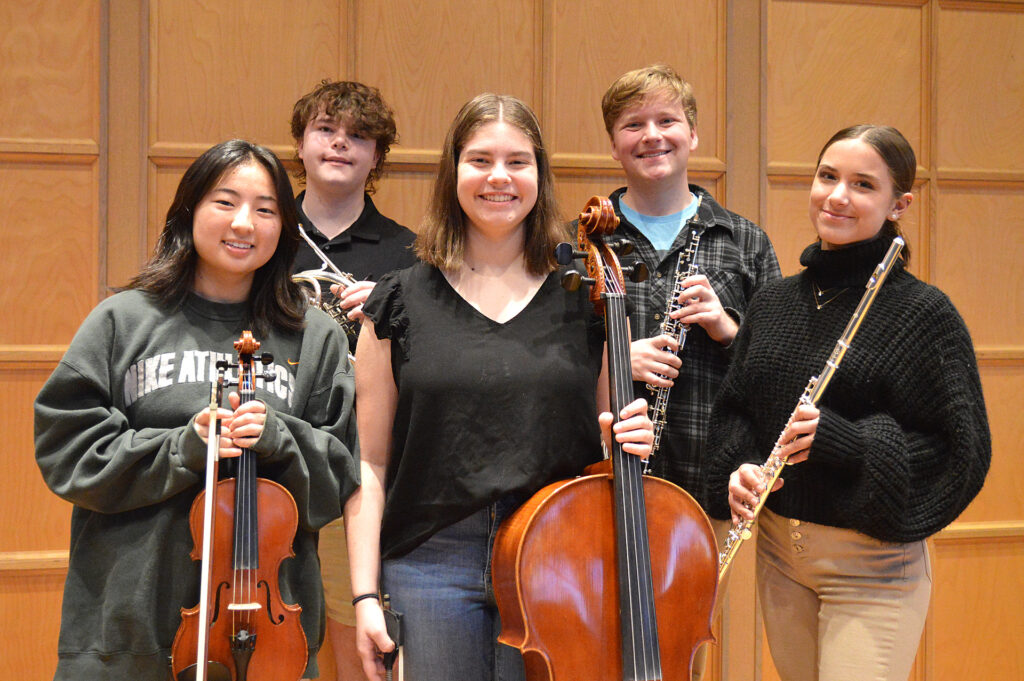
(611, 576)
(556, 579)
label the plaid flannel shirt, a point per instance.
(737, 257)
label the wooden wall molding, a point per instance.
(11, 355)
(981, 531)
(72, 151)
(33, 561)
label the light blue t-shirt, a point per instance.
(660, 230)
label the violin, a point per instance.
(241, 629)
(611, 576)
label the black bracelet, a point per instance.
(364, 596)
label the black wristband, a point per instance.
(364, 596)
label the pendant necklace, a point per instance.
(823, 297)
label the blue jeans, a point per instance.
(443, 590)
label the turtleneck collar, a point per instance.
(849, 266)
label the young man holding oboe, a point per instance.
(705, 263)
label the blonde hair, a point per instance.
(634, 87)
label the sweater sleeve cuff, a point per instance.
(837, 442)
(270, 439)
(192, 453)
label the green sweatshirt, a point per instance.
(114, 436)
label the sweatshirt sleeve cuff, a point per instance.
(270, 439)
(837, 442)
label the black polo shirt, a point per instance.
(373, 246)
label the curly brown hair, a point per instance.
(360, 108)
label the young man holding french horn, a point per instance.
(343, 131)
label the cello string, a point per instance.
(639, 558)
(630, 500)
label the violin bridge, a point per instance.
(244, 606)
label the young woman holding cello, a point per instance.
(120, 424)
(478, 382)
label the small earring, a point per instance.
(894, 216)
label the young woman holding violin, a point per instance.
(120, 424)
(892, 453)
(478, 382)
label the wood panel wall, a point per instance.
(103, 105)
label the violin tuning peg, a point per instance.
(269, 376)
(266, 358)
(636, 272)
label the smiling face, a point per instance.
(497, 178)
(236, 228)
(336, 159)
(653, 141)
(853, 194)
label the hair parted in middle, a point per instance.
(360, 108)
(442, 237)
(634, 87)
(275, 301)
(899, 158)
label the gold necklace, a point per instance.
(823, 297)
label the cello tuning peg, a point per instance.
(572, 279)
(622, 246)
(636, 272)
(565, 253)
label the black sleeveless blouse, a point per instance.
(485, 410)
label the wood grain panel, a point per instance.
(220, 70)
(50, 68)
(404, 195)
(34, 519)
(979, 237)
(31, 606)
(1003, 494)
(429, 58)
(832, 65)
(979, 89)
(790, 228)
(49, 247)
(163, 183)
(593, 43)
(976, 618)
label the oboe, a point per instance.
(686, 266)
(772, 467)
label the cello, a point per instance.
(247, 631)
(610, 576)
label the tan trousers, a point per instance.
(839, 605)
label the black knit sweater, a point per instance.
(902, 444)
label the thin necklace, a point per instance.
(823, 297)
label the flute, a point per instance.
(772, 467)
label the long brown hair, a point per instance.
(898, 156)
(442, 238)
(274, 300)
